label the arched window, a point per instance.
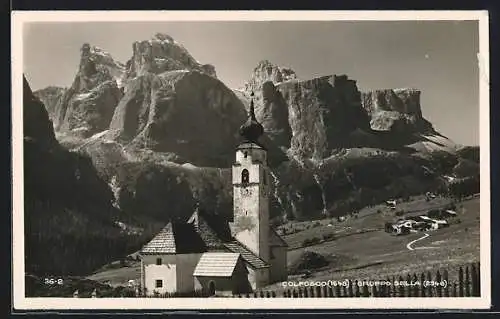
(245, 177)
(246, 154)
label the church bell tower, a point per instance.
(250, 224)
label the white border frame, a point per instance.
(20, 302)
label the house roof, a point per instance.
(175, 238)
(252, 259)
(216, 264)
(162, 243)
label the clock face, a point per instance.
(246, 191)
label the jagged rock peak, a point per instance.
(87, 106)
(266, 71)
(98, 55)
(163, 37)
(97, 66)
(162, 53)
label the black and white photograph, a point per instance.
(171, 160)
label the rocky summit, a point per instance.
(160, 54)
(395, 109)
(159, 131)
(87, 106)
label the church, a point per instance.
(219, 256)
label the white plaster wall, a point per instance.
(263, 213)
(166, 272)
(248, 206)
(252, 277)
(176, 272)
(258, 278)
(255, 205)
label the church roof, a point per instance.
(212, 233)
(199, 235)
(248, 256)
(216, 264)
(251, 130)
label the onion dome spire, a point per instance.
(251, 130)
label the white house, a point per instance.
(218, 256)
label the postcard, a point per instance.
(192, 160)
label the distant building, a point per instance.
(223, 257)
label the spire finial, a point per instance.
(252, 108)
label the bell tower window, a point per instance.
(245, 177)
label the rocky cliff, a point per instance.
(317, 117)
(189, 114)
(88, 105)
(395, 110)
(266, 71)
(323, 112)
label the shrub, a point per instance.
(379, 211)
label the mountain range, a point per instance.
(129, 146)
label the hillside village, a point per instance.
(345, 171)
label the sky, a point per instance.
(437, 57)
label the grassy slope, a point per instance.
(366, 222)
(376, 255)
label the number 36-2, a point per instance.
(53, 281)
